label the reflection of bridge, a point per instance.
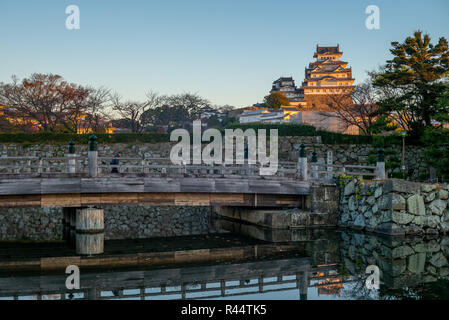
(180, 283)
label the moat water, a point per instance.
(321, 264)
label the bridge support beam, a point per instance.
(89, 231)
(302, 279)
(72, 236)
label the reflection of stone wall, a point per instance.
(121, 222)
(132, 222)
(402, 261)
(395, 207)
(319, 244)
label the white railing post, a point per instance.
(71, 161)
(302, 162)
(330, 160)
(380, 166)
(39, 168)
(144, 169)
(93, 156)
(314, 167)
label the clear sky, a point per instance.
(229, 51)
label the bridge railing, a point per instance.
(129, 165)
(37, 165)
(322, 171)
(329, 171)
(164, 166)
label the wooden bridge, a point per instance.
(75, 181)
(52, 182)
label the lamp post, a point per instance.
(403, 134)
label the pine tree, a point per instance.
(416, 79)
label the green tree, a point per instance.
(275, 100)
(382, 124)
(171, 116)
(443, 104)
(413, 81)
(214, 122)
(436, 141)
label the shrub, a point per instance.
(62, 138)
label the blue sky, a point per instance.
(229, 51)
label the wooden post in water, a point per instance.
(89, 231)
(303, 284)
(93, 294)
(66, 223)
(72, 230)
(93, 156)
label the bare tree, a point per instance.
(192, 102)
(43, 99)
(133, 110)
(355, 108)
(97, 108)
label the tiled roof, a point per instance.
(323, 63)
(331, 49)
(329, 77)
(252, 113)
(284, 79)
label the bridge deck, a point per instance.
(74, 191)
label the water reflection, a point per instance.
(326, 264)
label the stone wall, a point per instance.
(121, 222)
(402, 261)
(353, 154)
(395, 207)
(31, 224)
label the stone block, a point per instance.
(416, 263)
(401, 186)
(438, 207)
(416, 206)
(349, 188)
(426, 188)
(402, 218)
(443, 194)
